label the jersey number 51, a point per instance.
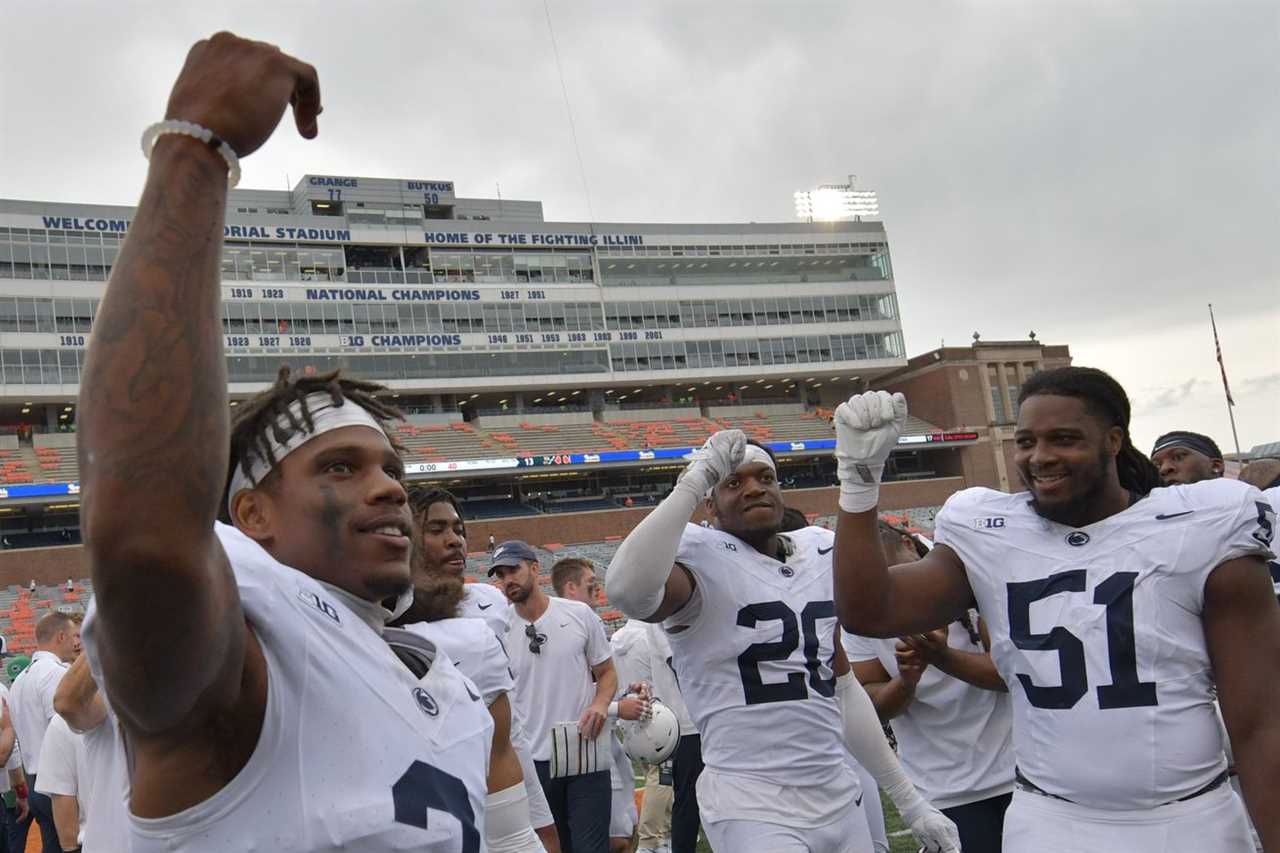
(1116, 593)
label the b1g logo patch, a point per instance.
(319, 604)
(993, 523)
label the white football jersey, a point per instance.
(474, 649)
(753, 652)
(485, 601)
(1097, 631)
(355, 753)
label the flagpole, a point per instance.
(1225, 387)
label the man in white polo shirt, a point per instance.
(557, 647)
(31, 709)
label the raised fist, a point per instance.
(867, 429)
(239, 90)
(718, 457)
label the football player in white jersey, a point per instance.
(261, 705)
(1114, 607)
(1184, 457)
(751, 623)
(441, 602)
(444, 538)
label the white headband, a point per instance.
(325, 416)
(752, 455)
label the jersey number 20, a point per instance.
(754, 688)
(1116, 593)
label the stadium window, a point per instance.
(44, 315)
(49, 367)
(997, 398)
(12, 366)
(1015, 387)
(69, 367)
(30, 366)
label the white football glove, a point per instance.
(867, 429)
(935, 831)
(718, 457)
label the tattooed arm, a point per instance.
(178, 659)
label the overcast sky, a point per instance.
(1094, 171)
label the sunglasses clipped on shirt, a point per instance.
(536, 640)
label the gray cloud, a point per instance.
(1163, 398)
(1268, 384)
(1086, 169)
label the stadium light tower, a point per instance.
(837, 203)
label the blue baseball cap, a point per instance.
(510, 553)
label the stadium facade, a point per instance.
(541, 363)
(404, 282)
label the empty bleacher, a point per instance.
(474, 509)
(20, 609)
(679, 432)
(791, 422)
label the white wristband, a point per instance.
(859, 497)
(195, 131)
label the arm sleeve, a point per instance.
(865, 738)
(637, 578)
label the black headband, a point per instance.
(1194, 441)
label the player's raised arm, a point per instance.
(643, 580)
(153, 431)
(872, 599)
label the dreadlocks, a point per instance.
(269, 415)
(1105, 399)
(422, 498)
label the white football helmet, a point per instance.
(654, 740)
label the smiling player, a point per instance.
(1113, 608)
(751, 622)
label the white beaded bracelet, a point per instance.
(204, 134)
